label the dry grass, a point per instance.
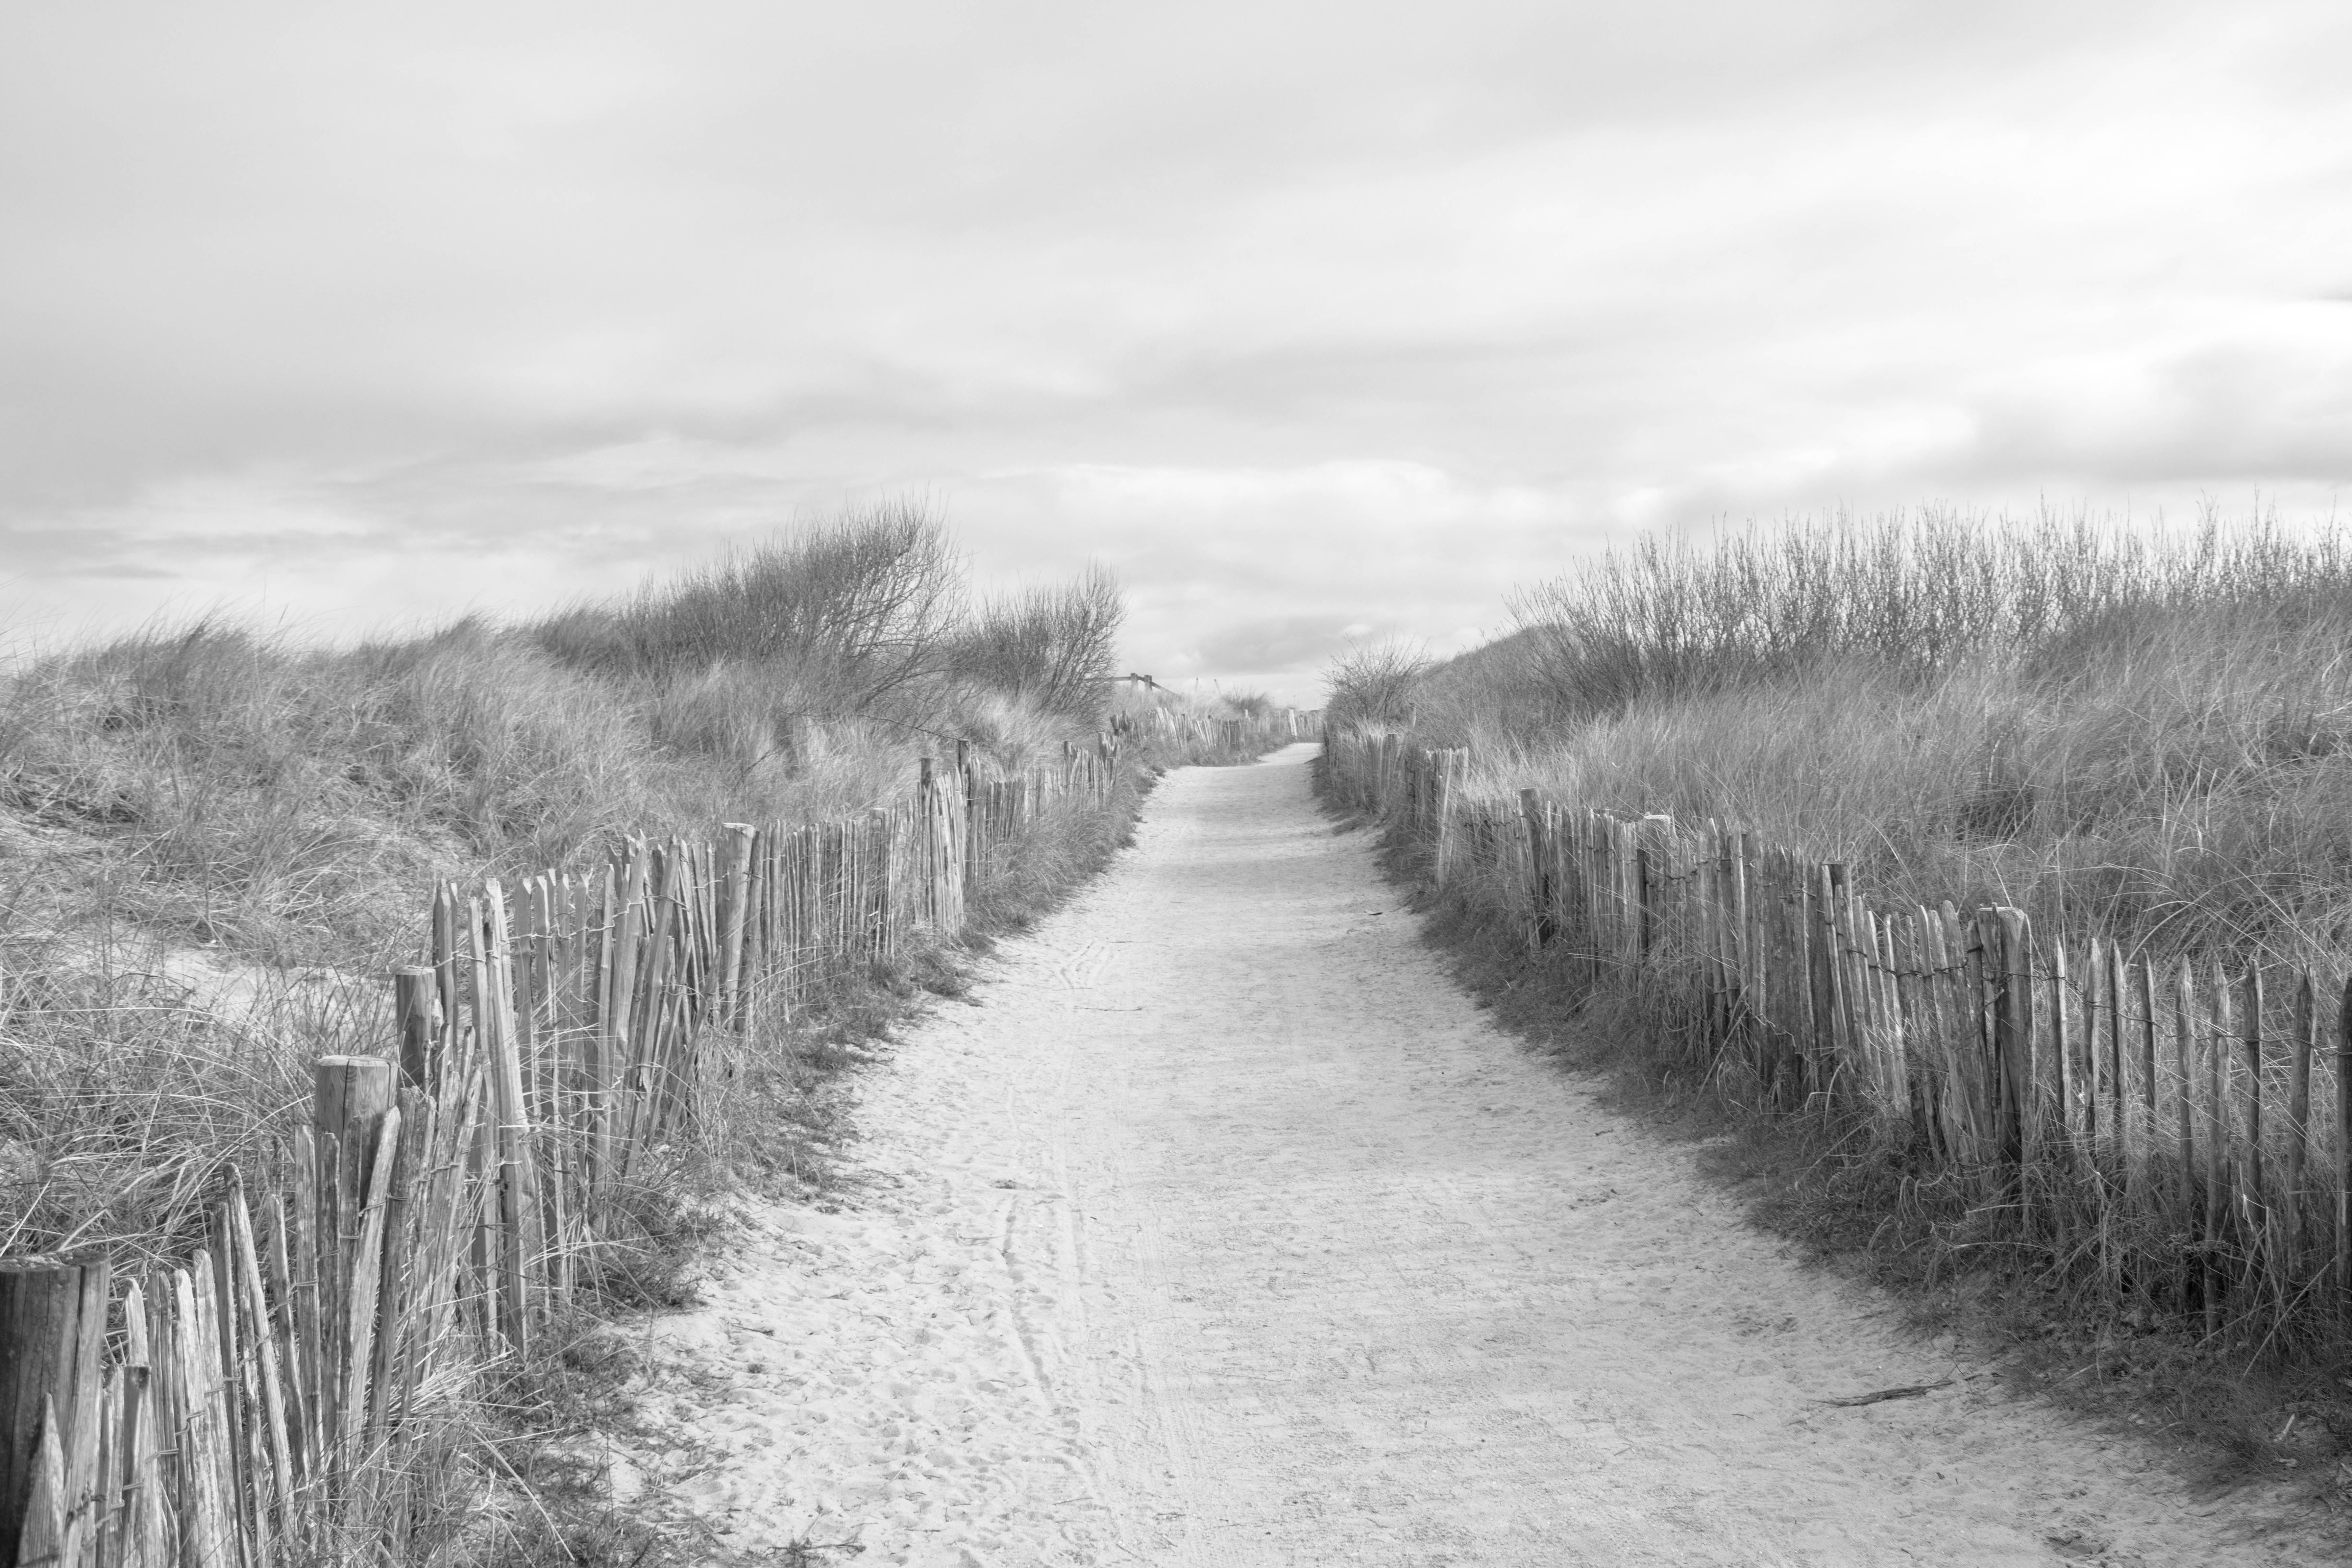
(1032, 871)
(2143, 739)
(2140, 738)
(214, 843)
(1166, 730)
(2223, 1410)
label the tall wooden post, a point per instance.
(927, 814)
(1644, 875)
(349, 1096)
(1730, 919)
(415, 1001)
(1843, 1034)
(2298, 1114)
(2343, 1144)
(1821, 976)
(2012, 1029)
(1540, 861)
(2218, 1062)
(971, 818)
(2184, 1107)
(447, 963)
(2146, 971)
(2254, 1192)
(737, 891)
(52, 1324)
(2119, 1098)
(2074, 1095)
(1441, 798)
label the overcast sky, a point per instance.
(1311, 321)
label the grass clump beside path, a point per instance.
(2141, 737)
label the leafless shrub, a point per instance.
(1910, 595)
(1050, 648)
(868, 601)
(1374, 685)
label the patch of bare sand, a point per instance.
(1225, 1231)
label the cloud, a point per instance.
(2273, 402)
(1282, 643)
(1263, 574)
(1301, 316)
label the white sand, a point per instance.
(1225, 1231)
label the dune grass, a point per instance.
(1168, 731)
(2140, 737)
(214, 843)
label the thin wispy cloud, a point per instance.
(1303, 317)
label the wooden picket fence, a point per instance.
(2184, 1128)
(1275, 728)
(274, 1402)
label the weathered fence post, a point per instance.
(1820, 957)
(737, 892)
(2217, 1143)
(415, 997)
(350, 1099)
(2013, 1032)
(1841, 1031)
(2298, 1115)
(2075, 1094)
(1644, 874)
(2344, 1145)
(927, 812)
(2119, 1098)
(52, 1324)
(2184, 1107)
(1539, 866)
(971, 818)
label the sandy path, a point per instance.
(1225, 1231)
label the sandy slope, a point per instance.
(1225, 1231)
